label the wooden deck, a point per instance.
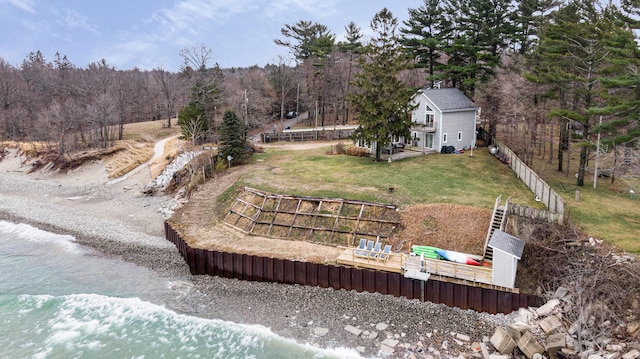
(465, 272)
(414, 267)
(393, 264)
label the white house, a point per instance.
(443, 117)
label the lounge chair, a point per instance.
(376, 250)
(360, 251)
(365, 252)
(385, 254)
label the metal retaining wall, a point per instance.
(265, 269)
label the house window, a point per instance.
(429, 117)
(429, 120)
(444, 138)
(459, 135)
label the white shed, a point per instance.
(507, 251)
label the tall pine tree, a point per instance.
(233, 139)
(422, 37)
(381, 99)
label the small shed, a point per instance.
(507, 251)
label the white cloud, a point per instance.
(75, 20)
(26, 5)
(185, 14)
(312, 8)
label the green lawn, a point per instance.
(608, 212)
(459, 179)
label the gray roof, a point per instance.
(507, 243)
(449, 99)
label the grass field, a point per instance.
(608, 212)
(458, 179)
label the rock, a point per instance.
(550, 324)
(353, 330)
(516, 329)
(381, 326)
(390, 342)
(476, 347)
(361, 349)
(529, 345)
(614, 347)
(485, 350)
(595, 356)
(373, 335)
(631, 354)
(496, 356)
(502, 341)
(319, 332)
(555, 344)
(525, 315)
(550, 307)
(561, 292)
(633, 329)
(538, 356)
(386, 350)
(463, 337)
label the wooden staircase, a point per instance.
(498, 221)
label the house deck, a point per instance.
(424, 269)
(393, 264)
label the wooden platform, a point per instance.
(393, 264)
(414, 267)
(474, 274)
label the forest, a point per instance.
(551, 77)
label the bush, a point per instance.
(357, 151)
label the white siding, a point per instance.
(505, 267)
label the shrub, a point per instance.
(357, 151)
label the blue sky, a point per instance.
(150, 34)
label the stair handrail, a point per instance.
(493, 216)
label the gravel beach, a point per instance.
(115, 218)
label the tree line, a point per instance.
(549, 75)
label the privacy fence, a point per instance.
(554, 202)
(265, 269)
(321, 134)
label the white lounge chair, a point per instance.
(360, 251)
(365, 252)
(376, 250)
(386, 253)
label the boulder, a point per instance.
(502, 341)
(529, 345)
(550, 307)
(550, 324)
(555, 344)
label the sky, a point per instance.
(149, 34)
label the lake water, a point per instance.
(61, 300)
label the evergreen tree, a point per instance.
(422, 37)
(571, 56)
(621, 90)
(233, 139)
(381, 99)
(476, 33)
(309, 39)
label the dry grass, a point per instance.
(442, 225)
(131, 155)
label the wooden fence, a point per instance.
(554, 202)
(326, 134)
(265, 269)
